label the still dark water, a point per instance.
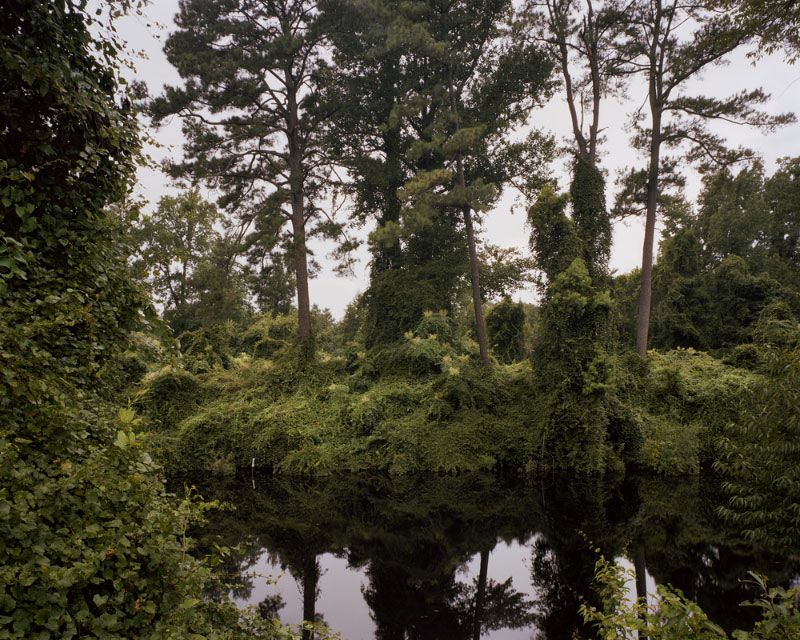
(473, 556)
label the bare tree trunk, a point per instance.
(646, 292)
(474, 263)
(477, 303)
(640, 569)
(301, 270)
(310, 580)
(300, 253)
(480, 596)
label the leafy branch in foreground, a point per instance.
(674, 617)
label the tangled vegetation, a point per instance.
(674, 617)
(136, 343)
(425, 404)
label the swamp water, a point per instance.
(473, 556)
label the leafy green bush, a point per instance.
(167, 396)
(270, 336)
(674, 617)
(682, 400)
(670, 447)
(760, 457)
(91, 546)
(573, 369)
(423, 404)
(208, 347)
(505, 325)
(777, 326)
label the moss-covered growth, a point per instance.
(682, 400)
(425, 403)
(168, 396)
(505, 324)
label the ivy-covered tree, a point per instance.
(585, 427)
(670, 43)
(505, 324)
(479, 82)
(252, 128)
(582, 41)
(91, 545)
(369, 134)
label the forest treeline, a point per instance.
(184, 337)
(317, 119)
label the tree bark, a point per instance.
(296, 187)
(474, 263)
(646, 291)
(474, 268)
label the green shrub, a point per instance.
(208, 347)
(167, 396)
(671, 448)
(270, 336)
(683, 399)
(777, 326)
(760, 457)
(573, 370)
(674, 617)
(505, 325)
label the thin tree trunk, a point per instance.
(474, 263)
(310, 580)
(640, 569)
(646, 292)
(655, 94)
(480, 596)
(296, 180)
(301, 271)
(474, 269)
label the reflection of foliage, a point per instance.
(269, 607)
(576, 518)
(505, 607)
(413, 535)
(688, 546)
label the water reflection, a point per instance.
(473, 556)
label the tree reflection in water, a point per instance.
(412, 538)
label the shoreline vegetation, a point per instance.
(434, 409)
(138, 341)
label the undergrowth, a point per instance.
(424, 403)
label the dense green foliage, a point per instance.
(761, 458)
(189, 266)
(506, 323)
(586, 425)
(418, 103)
(675, 618)
(419, 405)
(728, 276)
(91, 545)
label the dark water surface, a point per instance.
(473, 556)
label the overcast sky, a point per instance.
(505, 226)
